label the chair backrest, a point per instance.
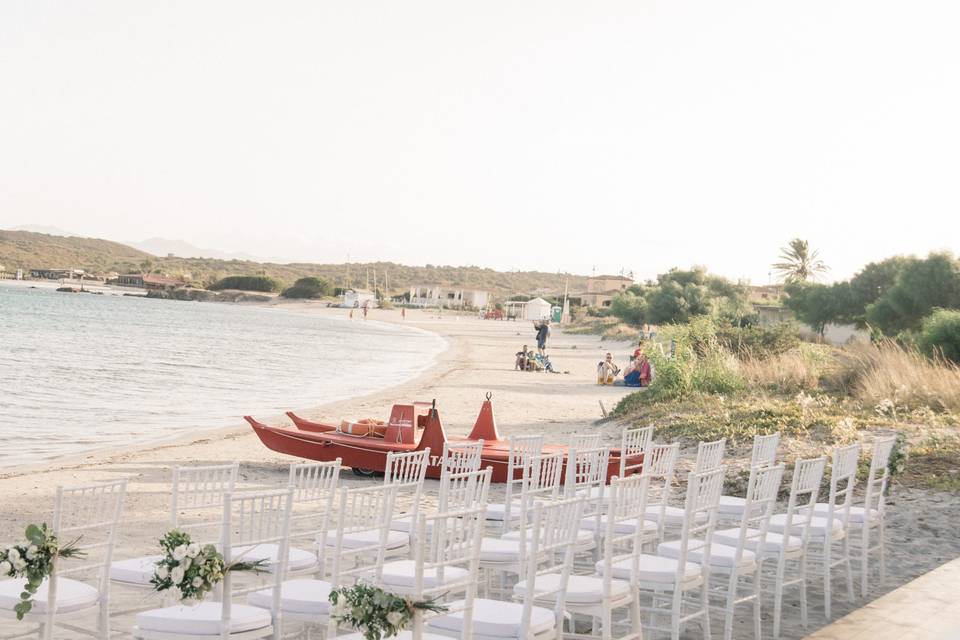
(461, 456)
(700, 514)
(628, 501)
(361, 510)
(521, 454)
(761, 498)
(250, 520)
(543, 479)
(804, 489)
(709, 455)
(874, 495)
(196, 498)
(91, 512)
(455, 542)
(551, 550)
(462, 491)
(586, 476)
(660, 463)
(584, 441)
(407, 471)
(765, 450)
(843, 478)
(634, 442)
(314, 488)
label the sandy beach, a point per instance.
(479, 359)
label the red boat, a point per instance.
(364, 445)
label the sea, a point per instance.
(81, 372)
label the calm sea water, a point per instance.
(80, 372)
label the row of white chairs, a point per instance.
(562, 535)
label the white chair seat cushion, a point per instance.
(303, 595)
(202, 619)
(672, 516)
(72, 595)
(818, 526)
(580, 589)
(368, 538)
(497, 511)
(773, 543)
(584, 536)
(405, 523)
(138, 571)
(734, 506)
(494, 619)
(297, 559)
(653, 568)
(401, 573)
(622, 527)
(499, 550)
(720, 555)
(857, 514)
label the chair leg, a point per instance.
(607, 622)
(865, 559)
(778, 595)
(635, 623)
(804, 617)
(826, 577)
(705, 606)
(728, 608)
(883, 552)
(757, 627)
(675, 613)
(849, 566)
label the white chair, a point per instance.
(408, 471)
(520, 456)
(634, 442)
(660, 463)
(788, 552)
(79, 586)
(669, 577)
(251, 520)
(734, 562)
(196, 507)
(314, 487)
(544, 577)
(710, 455)
(460, 456)
(583, 441)
(469, 496)
(871, 516)
(586, 477)
(764, 454)
(358, 548)
(823, 532)
(447, 565)
(600, 594)
(508, 553)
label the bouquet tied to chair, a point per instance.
(376, 613)
(34, 560)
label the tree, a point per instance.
(921, 286)
(308, 287)
(800, 264)
(817, 304)
(940, 335)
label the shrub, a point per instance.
(940, 335)
(309, 287)
(759, 342)
(264, 284)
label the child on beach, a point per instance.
(607, 371)
(522, 363)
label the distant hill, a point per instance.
(26, 250)
(164, 246)
(30, 250)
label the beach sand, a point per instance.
(479, 360)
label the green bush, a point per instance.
(940, 334)
(264, 284)
(308, 288)
(759, 342)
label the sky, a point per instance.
(555, 135)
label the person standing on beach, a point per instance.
(403, 313)
(364, 312)
(543, 330)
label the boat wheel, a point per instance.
(363, 473)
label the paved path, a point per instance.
(927, 608)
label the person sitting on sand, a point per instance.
(521, 363)
(607, 371)
(639, 373)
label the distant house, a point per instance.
(601, 289)
(769, 315)
(432, 295)
(49, 274)
(355, 298)
(148, 281)
(536, 309)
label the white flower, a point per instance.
(13, 555)
(395, 618)
(197, 582)
(162, 572)
(19, 564)
(177, 575)
(32, 552)
(180, 553)
(5, 568)
(186, 563)
(339, 609)
(193, 550)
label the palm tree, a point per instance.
(799, 262)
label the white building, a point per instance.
(536, 309)
(432, 295)
(355, 298)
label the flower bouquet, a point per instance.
(34, 561)
(376, 613)
(190, 571)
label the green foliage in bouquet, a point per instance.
(34, 561)
(376, 613)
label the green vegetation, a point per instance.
(308, 287)
(262, 284)
(27, 250)
(799, 263)
(940, 335)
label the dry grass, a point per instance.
(890, 376)
(795, 370)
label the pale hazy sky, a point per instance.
(557, 135)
